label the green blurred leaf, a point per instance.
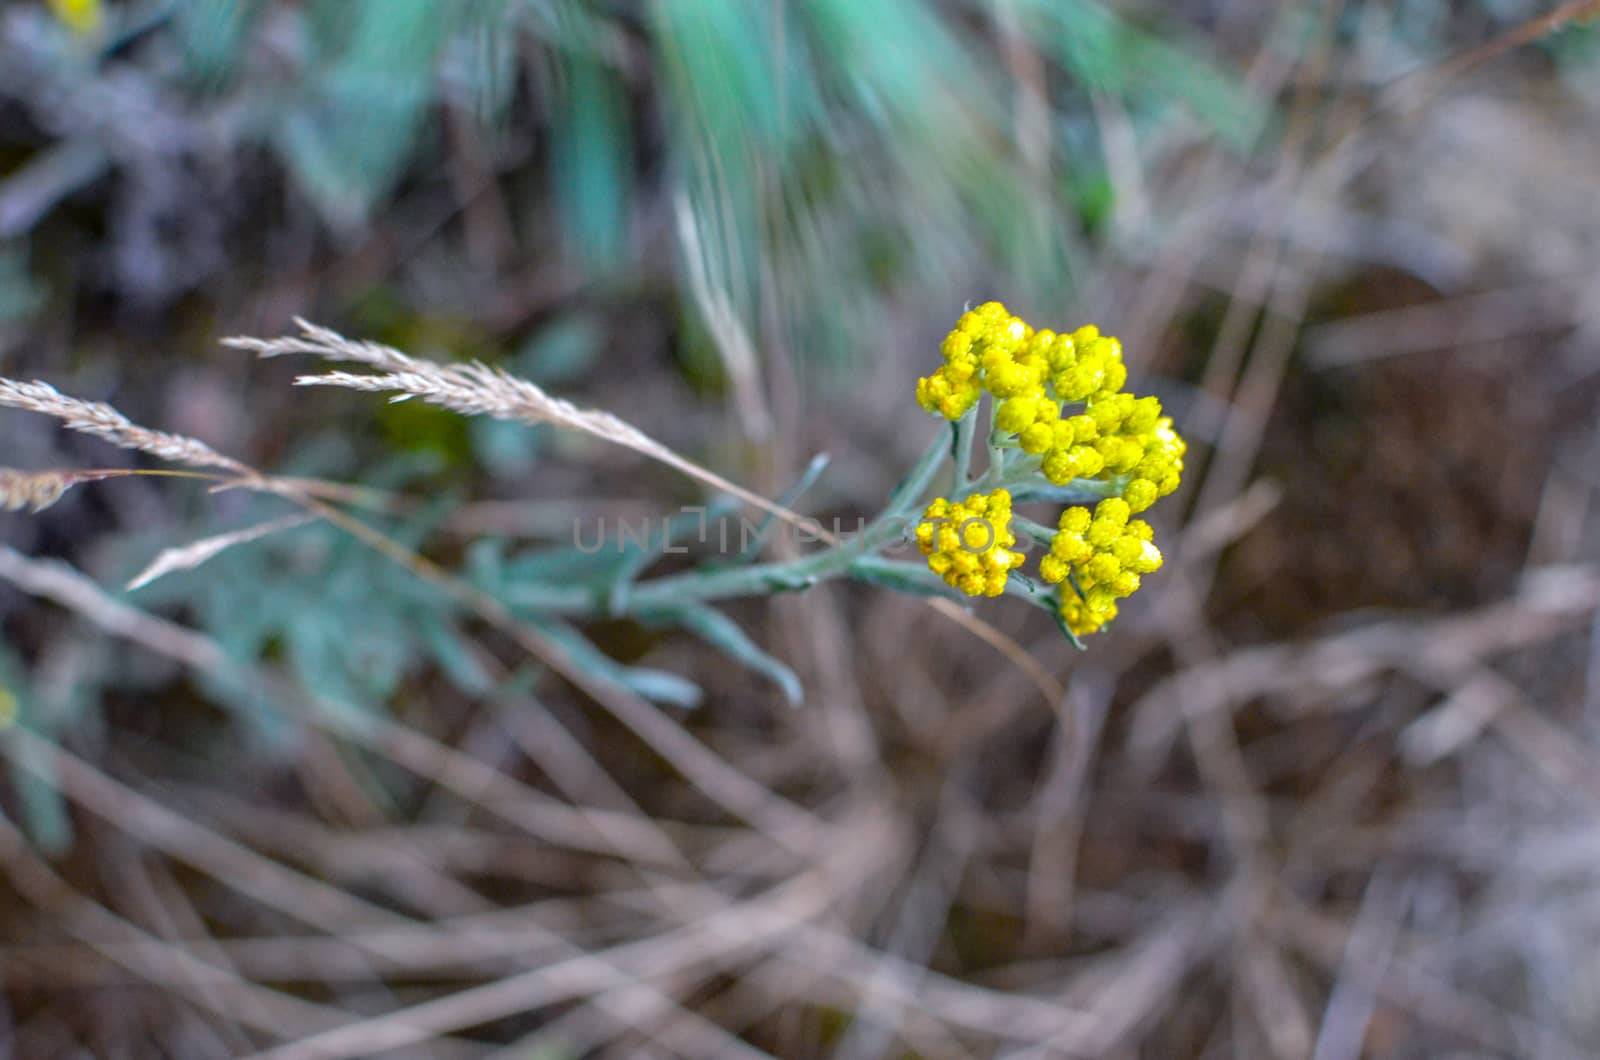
(737, 88)
(1107, 53)
(349, 138)
(591, 156)
(506, 448)
(914, 579)
(552, 356)
(211, 33)
(44, 810)
(450, 648)
(902, 62)
(481, 62)
(561, 353)
(658, 686)
(595, 567)
(722, 633)
(20, 296)
(656, 537)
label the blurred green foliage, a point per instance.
(794, 169)
(42, 810)
(854, 150)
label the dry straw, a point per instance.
(103, 421)
(33, 490)
(37, 490)
(476, 389)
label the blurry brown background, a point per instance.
(1327, 789)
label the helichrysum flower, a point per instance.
(969, 543)
(1061, 398)
(989, 349)
(1103, 556)
(1034, 376)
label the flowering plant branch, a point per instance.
(1059, 430)
(1119, 454)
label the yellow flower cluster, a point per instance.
(982, 337)
(1105, 555)
(1116, 438)
(969, 542)
(80, 16)
(1034, 376)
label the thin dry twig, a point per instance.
(125, 945)
(274, 885)
(712, 943)
(64, 584)
(1417, 88)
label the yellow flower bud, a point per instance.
(956, 344)
(1140, 494)
(1142, 418)
(1103, 567)
(1037, 438)
(1102, 532)
(1113, 510)
(1084, 429)
(1063, 354)
(1052, 569)
(1015, 415)
(1075, 520)
(1090, 463)
(968, 543)
(1059, 466)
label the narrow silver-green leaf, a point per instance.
(724, 634)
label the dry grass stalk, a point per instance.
(103, 421)
(35, 491)
(475, 389)
(69, 587)
(187, 557)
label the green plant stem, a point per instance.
(856, 555)
(1038, 531)
(965, 433)
(876, 568)
(999, 451)
(911, 488)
